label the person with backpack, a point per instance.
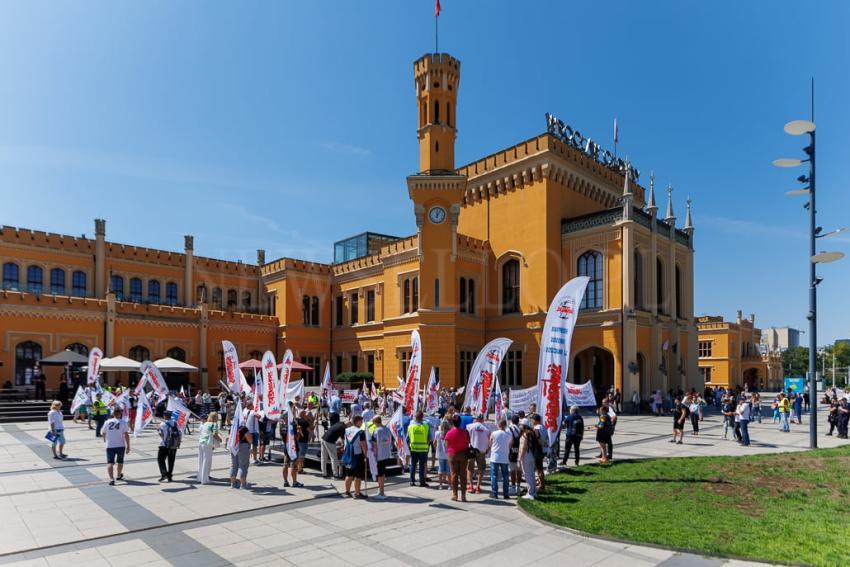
(573, 434)
(354, 457)
(170, 437)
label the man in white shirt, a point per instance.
(382, 445)
(116, 435)
(479, 439)
(501, 441)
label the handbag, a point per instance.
(50, 436)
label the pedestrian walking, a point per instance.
(208, 440)
(99, 410)
(680, 414)
(784, 413)
(743, 412)
(57, 430)
(694, 410)
(116, 435)
(573, 434)
(170, 437)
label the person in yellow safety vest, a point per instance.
(99, 411)
(784, 412)
(419, 441)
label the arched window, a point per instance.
(201, 294)
(510, 286)
(78, 284)
(314, 311)
(449, 114)
(436, 112)
(171, 293)
(246, 300)
(154, 295)
(470, 297)
(176, 353)
(27, 354)
(590, 265)
(678, 292)
(406, 303)
(437, 293)
(35, 279)
(79, 348)
(638, 283)
(11, 276)
(136, 290)
(423, 111)
(462, 290)
(140, 353)
(305, 309)
(659, 285)
(232, 298)
(116, 285)
(57, 281)
(415, 304)
(216, 297)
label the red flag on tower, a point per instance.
(437, 9)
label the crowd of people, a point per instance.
(353, 438)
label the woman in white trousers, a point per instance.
(208, 439)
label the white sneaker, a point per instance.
(527, 496)
(379, 497)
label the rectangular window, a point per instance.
(340, 310)
(171, 293)
(471, 297)
(404, 363)
(311, 378)
(370, 305)
(116, 285)
(704, 349)
(78, 284)
(706, 374)
(510, 374)
(406, 304)
(338, 364)
(136, 290)
(467, 358)
(462, 291)
(415, 302)
(354, 360)
(355, 308)
(370, 364)
(57, 281)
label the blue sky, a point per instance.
(288, 125)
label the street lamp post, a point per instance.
(798, 128)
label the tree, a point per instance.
(795, 362)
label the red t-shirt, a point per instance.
(457, 440)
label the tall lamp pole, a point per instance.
(798, 128)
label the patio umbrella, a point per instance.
(297, 367)
(169, 364)
(64, 358)
(251, 364)
(119, 364)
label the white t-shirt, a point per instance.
(383, 440)
(115, 430)
(479, 436)
(54, 420)
(368, 414)
(544, 437)
(441, 449)
(500, 446)
(350, 434)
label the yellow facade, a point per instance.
(730, 354)
(495, 240)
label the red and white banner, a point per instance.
(95, 356)
(291, 429)
(79, 399)
(555, 352)
(396, 426)
(151, 375)
(231, 367)
(233, 438)
(270, 379)
(327, 382)
(581, 395)
(485, 370)
(414, 373)
(432, 394)
(285, 376)
(144, 414)
(348, 396)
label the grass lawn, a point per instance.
(788, 508)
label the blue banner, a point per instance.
(795, 384)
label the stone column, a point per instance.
(100, 286)
(656, 379)
(203, 322)
(109, 339)
(629, 339)
(188, 287)
(261, 301)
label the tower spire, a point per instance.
(651, 207)
(689, 224)
(627, 192)
(669, 217)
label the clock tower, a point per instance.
(437, 193)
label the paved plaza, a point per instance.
(63, 512)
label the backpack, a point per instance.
(534, 446)
(172, 438)
(348, 452)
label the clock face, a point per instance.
(437, 215)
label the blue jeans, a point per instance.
(418, 460)
(757, 412)
(745, 432)
(784, 419)
(497, 470)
